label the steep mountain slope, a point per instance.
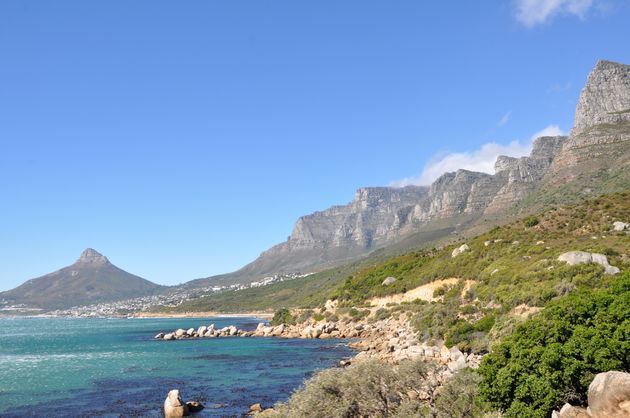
(593, 160)
(510, 265)
(91, 279)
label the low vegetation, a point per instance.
(552, 358)
(512, 266)
(369, 389)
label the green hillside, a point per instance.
(517, 266)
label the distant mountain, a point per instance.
(91, 279)
(593, 160)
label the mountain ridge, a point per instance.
(593, 155)
(91, 279)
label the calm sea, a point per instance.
(113, 367)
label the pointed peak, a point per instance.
(90, 255)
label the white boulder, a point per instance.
(461, 249)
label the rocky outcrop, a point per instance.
(608, 397)
(620, 226)
(605, 99)
(597, 149)
(388, 281)
(581, 257)
(459, 250)
(390, 340)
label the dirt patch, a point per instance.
(424, 292)
(524, 311)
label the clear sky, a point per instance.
(181, 139)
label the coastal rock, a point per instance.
(190, 332)
(169, 336)
(159, 336)
(180, 333)
(194, 407)
(255, 409)
(201, 331)
(457, 251)
(609, 395)
(582, 257)
(174, 406)
(569, 411)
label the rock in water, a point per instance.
(609, 395)
(174, 407)
(194, 407)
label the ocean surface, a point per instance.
(58, 367)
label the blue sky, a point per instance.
(181, 139)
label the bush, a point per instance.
(318, 317)
(458, 397)
(282, 316)
(552, 358)
(366, 389)
(530, 221)
(357, 314)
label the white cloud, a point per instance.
(504, 119)
(535, 12)
(481, 159)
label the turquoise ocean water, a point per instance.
(58, 367)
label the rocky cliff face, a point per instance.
(596, 153)
(380, 216)
(559, 169)
(605, 98)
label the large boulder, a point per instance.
(609, 395)
(180, 333)
(174, 406)
(461, 249)
(569, 411)
(388, 281)
(582, 257)
(620, 226)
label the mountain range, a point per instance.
(594, 159)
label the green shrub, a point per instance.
(318, 317)
(458, 397)
(282, 316)
(304, 316)
(530, 221)
(552, 358)
(366, 389)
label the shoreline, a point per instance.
(207, 314)
(147, 315)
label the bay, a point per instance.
(67, 367)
